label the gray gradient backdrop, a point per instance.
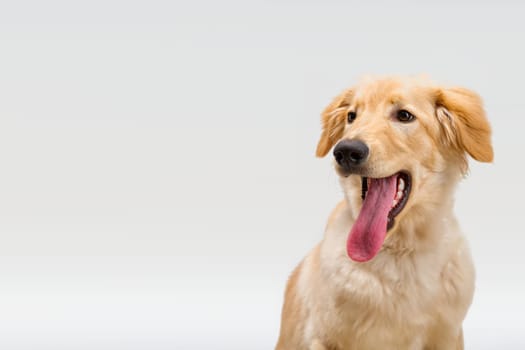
(157, 173)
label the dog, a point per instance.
(393, 270)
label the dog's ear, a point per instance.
(464, 124)
(333, 121)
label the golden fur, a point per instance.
(416, 292)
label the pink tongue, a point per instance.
(369, 230)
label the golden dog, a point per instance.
(393, 270)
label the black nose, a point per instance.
(349, 153)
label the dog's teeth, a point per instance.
(399, 194)
(401, 185)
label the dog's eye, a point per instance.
(351, 116)
(405, 116)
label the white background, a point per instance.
(157, 173)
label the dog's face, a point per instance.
(399, 144)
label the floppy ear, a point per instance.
(465, 126)
(333, 120)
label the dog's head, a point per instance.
(400, 146)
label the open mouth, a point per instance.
(403, 186)
(383, 199)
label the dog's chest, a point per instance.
(391, 323)
(389, 303)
